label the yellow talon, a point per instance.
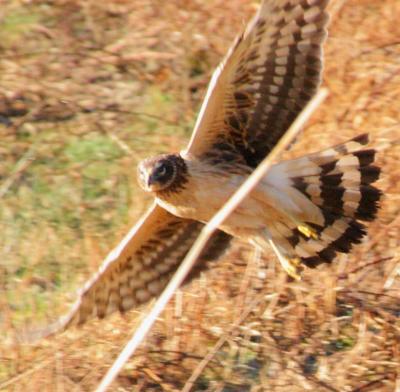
(291, 266)
(308, 231)
(296, 261)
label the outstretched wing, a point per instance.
(141, 266)
(267, 77)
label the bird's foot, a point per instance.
(292, 266)
(307, 231)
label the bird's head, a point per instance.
(161, 172)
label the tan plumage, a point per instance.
(140, 266)
(305, 209)
(268, 75)
(334, 190)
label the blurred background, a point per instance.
(89, 88)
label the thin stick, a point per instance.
(26, 373)
(21, 165)
(205, 235)
(221, 341)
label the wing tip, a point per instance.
(33, 336)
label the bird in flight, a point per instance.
(306, 209)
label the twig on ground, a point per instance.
(21, 165)
(345, 275)
(204, 362)
(38, 366)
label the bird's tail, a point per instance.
(326, 195)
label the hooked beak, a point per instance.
(144, 180)
(149, 183)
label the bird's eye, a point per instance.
(161, 175)
(161, 171)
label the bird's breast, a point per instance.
(204, 195)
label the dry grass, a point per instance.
(87, 89)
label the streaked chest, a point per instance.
(205, 193)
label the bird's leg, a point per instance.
(291, 265)
(308, 231)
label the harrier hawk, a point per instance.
(306, 209)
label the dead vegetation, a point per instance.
(87, 89)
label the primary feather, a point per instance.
(267, 77)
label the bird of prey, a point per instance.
(306, 209)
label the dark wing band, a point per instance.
(266, 79)
(140, 267)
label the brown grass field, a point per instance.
(87, 89)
